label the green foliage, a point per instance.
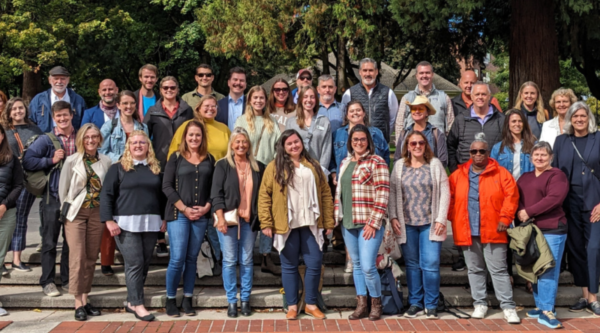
(570, 77)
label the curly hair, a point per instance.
(127, 159)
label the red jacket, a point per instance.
(498, 202)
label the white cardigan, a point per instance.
(550, 130)
(73, 180)
(440, 198)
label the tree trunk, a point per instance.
(32, 83)
(533, 48)
(325, 60)
(340, 64)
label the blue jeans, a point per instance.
(234, 251)
(422, 257)
(213, 239)
(301, 241)
(185, 237)
(548, 282)
(364, 255)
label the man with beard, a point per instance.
(107, 108)
(379, 101)
(147, 95)
(41, 104)
(204, 77)
(463, 102)
(444, 115)
(233, 106)
(328, 106)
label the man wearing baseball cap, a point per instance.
(303, 79)
(40, 105)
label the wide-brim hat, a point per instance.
(422, 100)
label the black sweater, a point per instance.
(138, 192)
(187, 182)
(225, 193)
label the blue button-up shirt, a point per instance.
(236, 109)
(335, 114)
(486, 118)
(473, 205)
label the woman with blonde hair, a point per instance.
(235, 187)
(133, 208)
(530, 102)
(79, 192)
(560, 102)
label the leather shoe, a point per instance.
(291, 315)
(232, 310)
(581, 305)
(246, 311)
(316, 313)
(80, 314)
(149, 317)
(91, 311)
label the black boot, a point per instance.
(246, 311)
(186, 306)
(232, 310)
(268, 266)
(172, 310)
(218, 269)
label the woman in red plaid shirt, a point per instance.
(361, 200)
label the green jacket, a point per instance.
(519, 237)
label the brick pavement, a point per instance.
(330, 325)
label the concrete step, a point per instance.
(334, 276)
(262, 297)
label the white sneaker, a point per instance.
(349, 267)
(511, 316)
(3, 312)
(480, 312)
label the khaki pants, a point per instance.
(84, 235)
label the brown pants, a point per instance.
(107, 249)
(84, 235)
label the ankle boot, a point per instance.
(172, 310)
(268, 266)
(376, 308)
(362, 308)
(187, 307)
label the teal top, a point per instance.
(346, 180)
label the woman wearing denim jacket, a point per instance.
(514, 151)
(361, 200)
(115, 134)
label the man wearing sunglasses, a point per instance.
(483, 202)
(204, 77)
(303, 79)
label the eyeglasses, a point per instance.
(416, 143)
(305, 78)
(169, 88)
(143, 143)
(201, 75)
(357, 140)
(280, 90)
(90, 138)
(480, 151)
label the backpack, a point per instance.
(391, 295)
(37, 182)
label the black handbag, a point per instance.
(64, 211)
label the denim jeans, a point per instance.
(213, 239)
(185, 237)
(548, 282)
(236, 251)
(364, 255)
(422, 257)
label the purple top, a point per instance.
(486, 118)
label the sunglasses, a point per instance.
(480, 151)
(305, 78)
(280, 90)
(201, 75)
(169, 88)
(416, 143)
(418, 111)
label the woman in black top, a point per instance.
(187, 182)
(133, 209)
(11, 183)
(19, 129)
(234, 192)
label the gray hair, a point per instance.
(543, 145)
(480, 83)
(367, 60)
(568, 127)
(480, 137)
(423, 63)
(326, 77)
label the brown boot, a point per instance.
(268, 266)
(376, 308)
(362, 309)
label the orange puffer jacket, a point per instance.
(498, 202)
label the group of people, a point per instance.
(296, 167)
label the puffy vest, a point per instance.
(6, 178)
(437, 98)
(376, 106)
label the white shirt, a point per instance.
(392, 105)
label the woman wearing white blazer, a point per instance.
(560, 102)
(79, 188)
(418, 209)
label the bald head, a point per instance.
(108, 92)
(467, 79)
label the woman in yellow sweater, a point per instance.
(217, 133)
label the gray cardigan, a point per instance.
(319, 145)
(440, 199)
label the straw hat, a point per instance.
(422, 100)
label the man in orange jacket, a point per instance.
(484, 199)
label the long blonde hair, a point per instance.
(240, 131)
(541, 112)
(266, 114)
(127, 159)
(79, 144)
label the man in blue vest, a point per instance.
(107, 108)
(380, 102)
(444, 116)
(41, 104)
